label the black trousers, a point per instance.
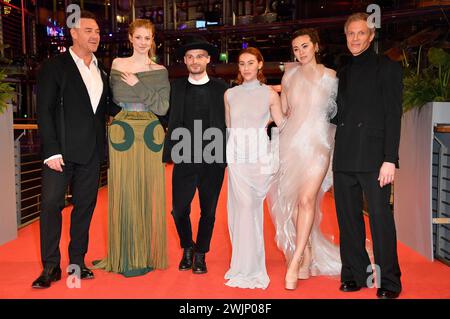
(84, 180)
(186, 178)
(348, 191)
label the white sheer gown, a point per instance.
(305, 147)
(249, 173)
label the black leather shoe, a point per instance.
(349, 286)
(85, 272)
(387, 294)
(186, 260)
(46, 278)
(199, 266)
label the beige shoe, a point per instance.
(290, 285)
(290, 282)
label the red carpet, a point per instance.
(19, 266)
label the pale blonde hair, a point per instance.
(359, 16)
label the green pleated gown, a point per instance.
(136, 177)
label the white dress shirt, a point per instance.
(92, 80)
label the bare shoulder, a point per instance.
(119, 64)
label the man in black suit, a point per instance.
(72, 94)
(196, 105)
(365, 157)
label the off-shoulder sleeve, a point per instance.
(154, 91)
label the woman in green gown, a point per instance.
(136, 177)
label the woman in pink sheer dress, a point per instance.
(308, 98)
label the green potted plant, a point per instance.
(430, 84)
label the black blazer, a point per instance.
(368, 133)
(176, 112)
(69, 128)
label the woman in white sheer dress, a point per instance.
(306, 141)
(248, 109)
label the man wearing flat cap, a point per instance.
(197, 119)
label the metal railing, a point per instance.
(28, 164)
(441, 194)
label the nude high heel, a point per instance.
(291, 283)
(304, 270)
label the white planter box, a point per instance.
(413, 181)
(8, 217)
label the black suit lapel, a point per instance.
(74, 77)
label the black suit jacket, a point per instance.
(369, 134)
(69, 128)
(177, 109)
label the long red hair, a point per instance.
(255, 52)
